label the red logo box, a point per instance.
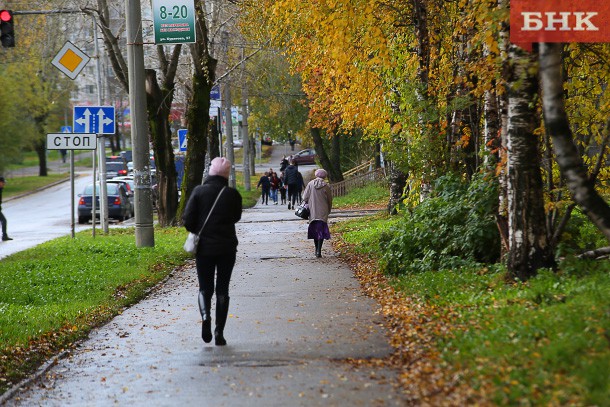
(559, 21)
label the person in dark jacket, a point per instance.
(2, 218)
(291, 180)
(217, 248)
(265, 184)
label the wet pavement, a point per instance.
(294, 321)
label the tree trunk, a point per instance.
(580, 184)
(198, 113)
(529, 248)
(398, 182)
(159, 106)
(325, 160)
(41, 151)
(335, 156)
(214, 144)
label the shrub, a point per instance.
(454, 227)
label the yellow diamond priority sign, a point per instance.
(70, 60)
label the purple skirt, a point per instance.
(318, 229)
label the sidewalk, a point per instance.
(294, 322)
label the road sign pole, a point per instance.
(102, 152)
(72, 226)
(139, 129)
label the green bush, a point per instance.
(580, 235)
(454, 227)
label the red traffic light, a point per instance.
(6, 15)
(7, 28)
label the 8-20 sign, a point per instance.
(174, 21)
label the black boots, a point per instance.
(222, 310)
(318, 244)
(6, 238)
(205, 304)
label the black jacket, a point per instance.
(219, 236)
(291, 175)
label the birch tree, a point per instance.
(529, 248)
(573, 170)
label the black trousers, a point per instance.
(293, 193)
(3, 221)
(221, 267)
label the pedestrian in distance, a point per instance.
(301, 186)
(265, 185)
(282, 189)
(319, 198)
(283, 164)
(276, 184)
(291, 180)
(216, 252)
(2, 218)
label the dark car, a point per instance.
(115, 169)
(119, 206)
(307, 156)
(129, 185)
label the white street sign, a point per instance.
(66, 141)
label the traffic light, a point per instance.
(7, 28)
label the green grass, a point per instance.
(544, 342)
(20, 185)
(53, 294)
(375, 194)
(30, 159)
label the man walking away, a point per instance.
(2, 218)
(265, 185)
(291, 179)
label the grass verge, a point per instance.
(21, 185)
(54, 294)
(468, 336)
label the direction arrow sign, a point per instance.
(94, 119)
(182, 139)
(65, 141)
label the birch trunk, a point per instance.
(580, 184)
(529, 248)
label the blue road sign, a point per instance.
(94, 119)
(66, 129)
(182, 139)
(215, 92)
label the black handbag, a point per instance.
(302, 211)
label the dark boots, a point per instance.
(222, 311)
(205, 304)
(318, 244)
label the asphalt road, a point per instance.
(294, 323)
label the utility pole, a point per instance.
(226, 104)
(139, 129)
(244, 124)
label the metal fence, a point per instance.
(343, 187)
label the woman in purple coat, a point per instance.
(320, 200)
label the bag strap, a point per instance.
(210, 212)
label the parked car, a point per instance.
(115, 169)
(153, 185)
(116, 158)
(118, 202)
(307, 156)
(127, 155)
(129, 185)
